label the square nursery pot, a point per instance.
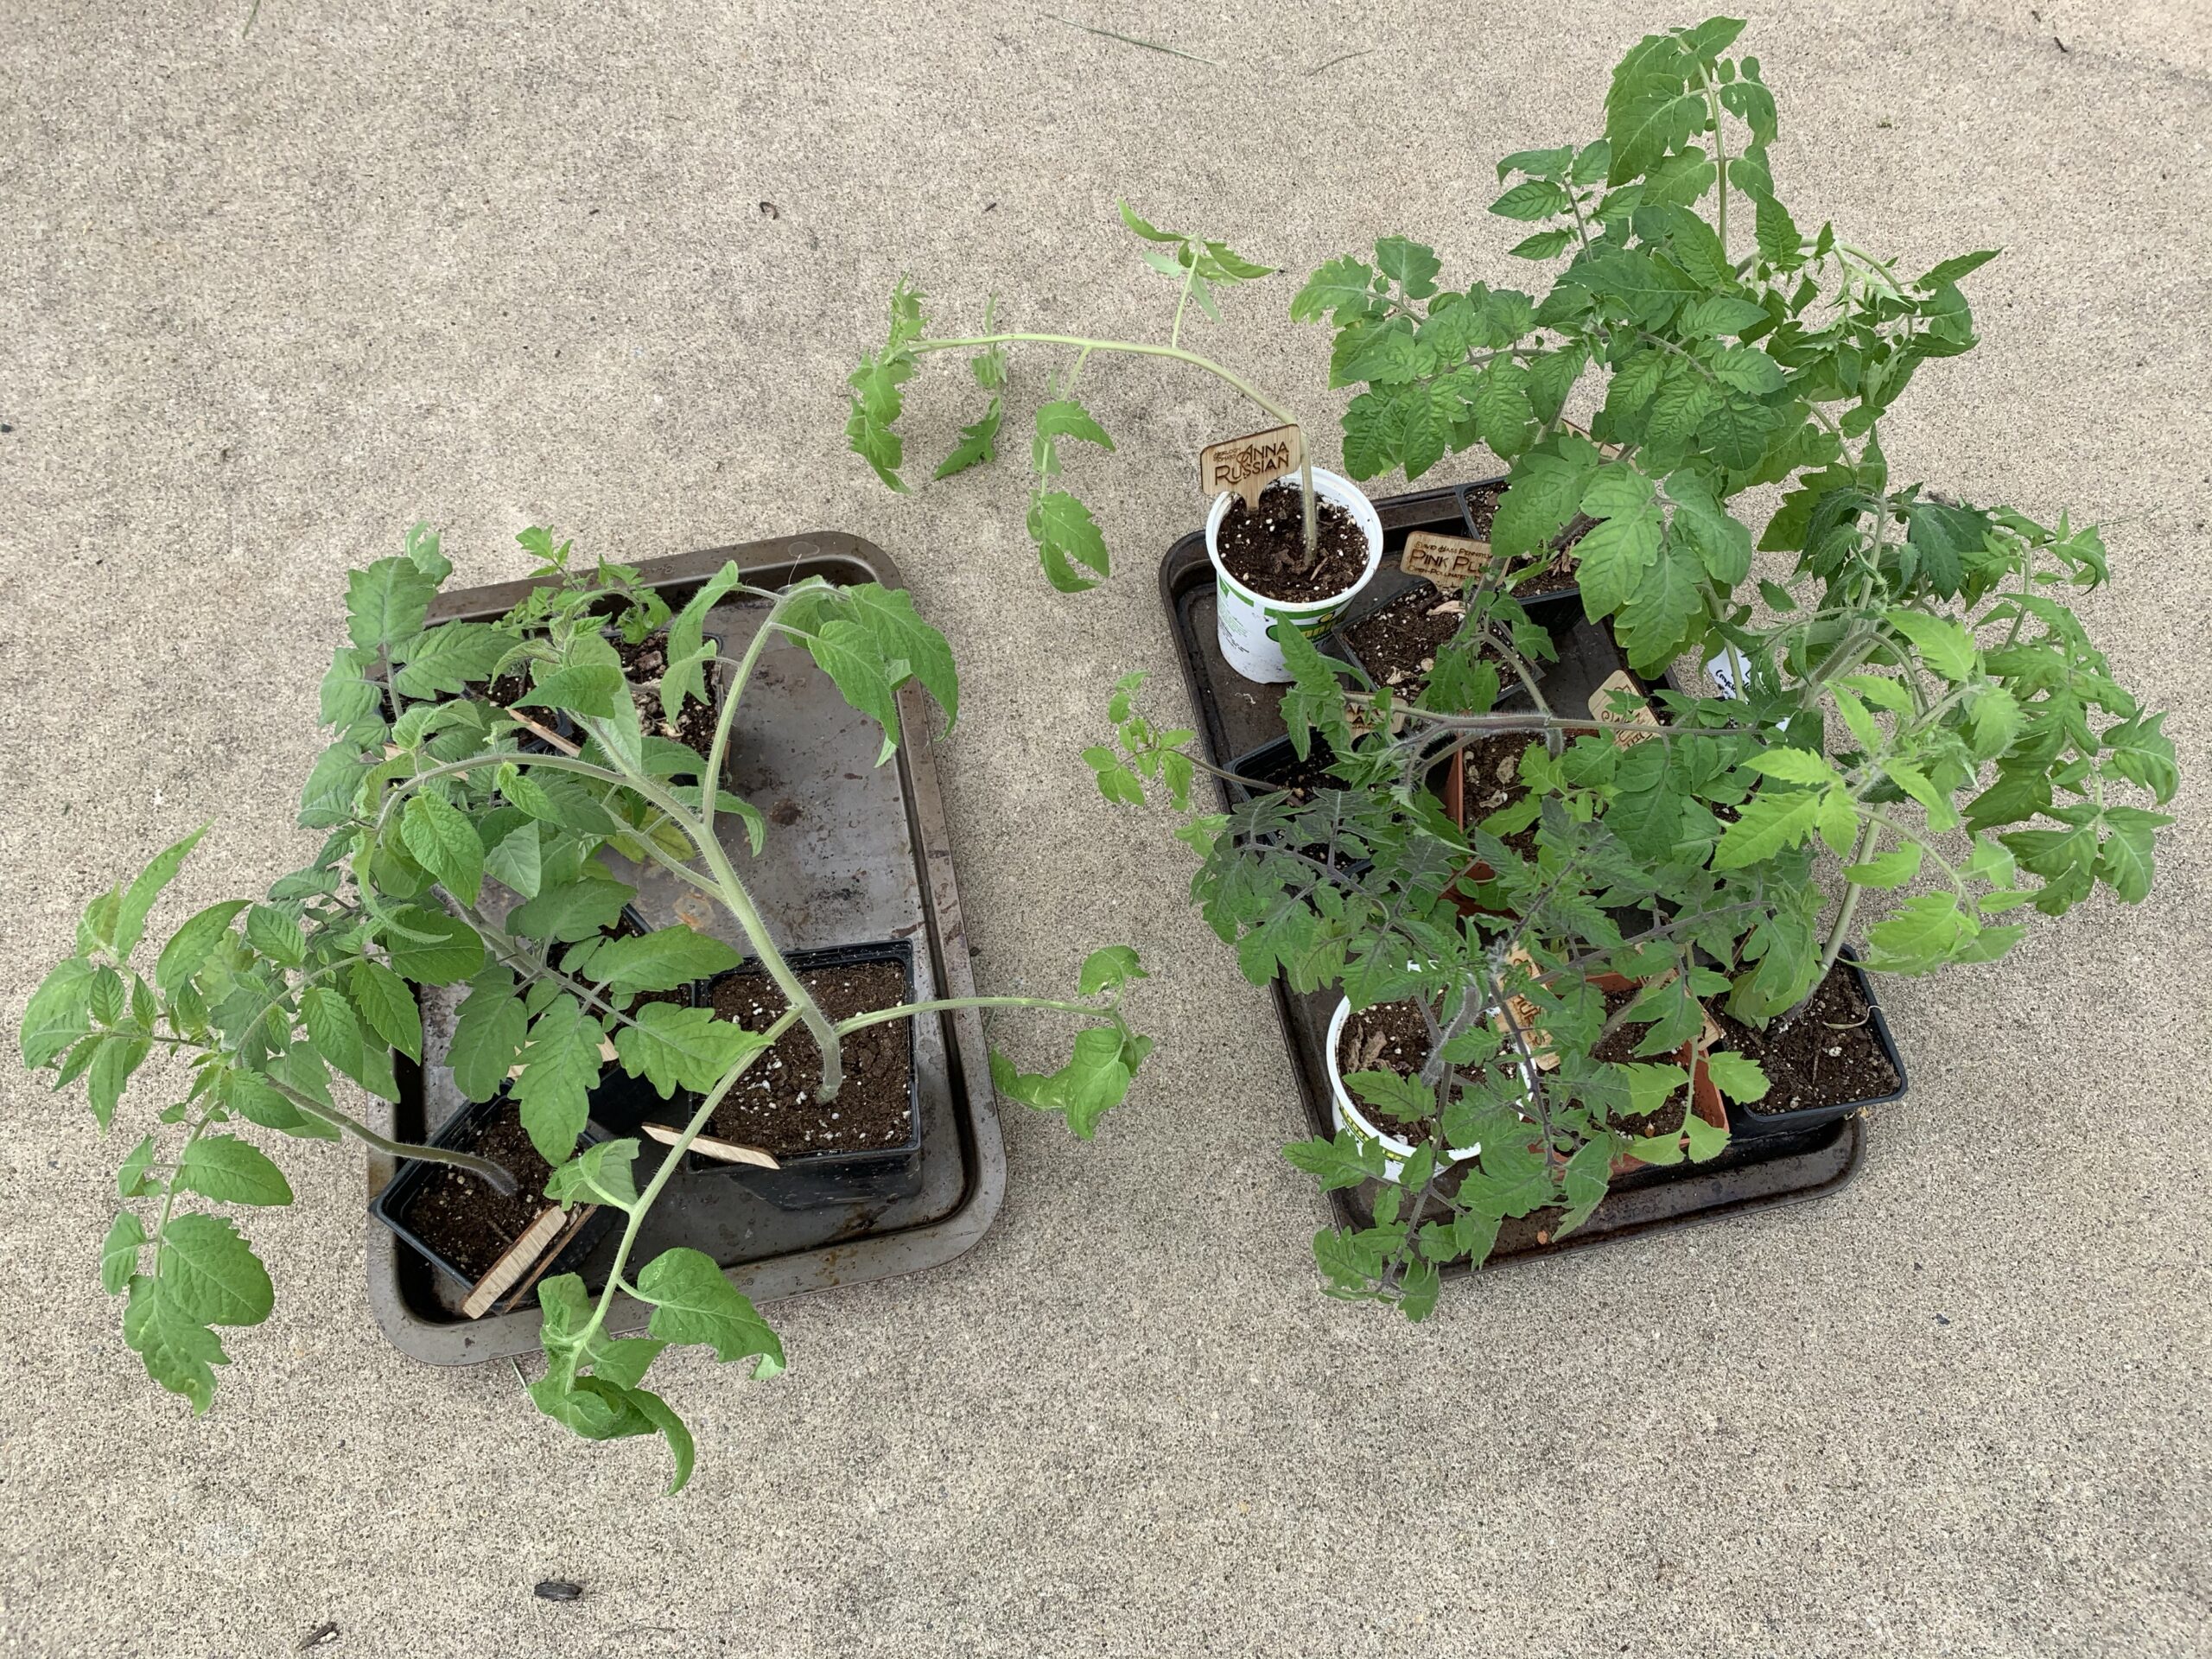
(510, 1280)
(809, 1180)
(1746, 1123)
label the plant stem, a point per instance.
(668, 1168)
(953, 1004)
(1849, 907)
(500, 1179)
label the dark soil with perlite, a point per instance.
(461, 1218)
(773, 1107)
(1265, 549)
(1389, 1037)
(1825, 1056)
(1398, 645)
(643, 664)
(1493, 782)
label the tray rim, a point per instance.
(860, 1260)
(1828, 1164)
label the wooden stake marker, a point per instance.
(1248, 465)
(523, 1254)
(1601, 708)
(1447, 561)
(707, 1147)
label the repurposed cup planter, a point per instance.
(1348, 1114)
(806, 1179)
(1745, 1121)
(1247, 621)
(569, 1240)
(1235, 717)
(864, 854)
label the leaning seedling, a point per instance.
(488, 786)
(1065, 534)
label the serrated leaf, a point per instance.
(516, 860)
(275, 935)
(444, 951)
(1942, 644)
(388, 1006)
(661, 961)
(59, 1012)
(674, 1048)
(331, 1027)
(179, 1351)
(1409, 265)
(138, 899)
(692, 1302)
(190, 946)
(601, 1173)
(1108, 966)
(385, 604)
(119, 1253)
(1891, 870)
(1063, 530)
(487, 1036)
(978, 443)
(210, 1274)
(1065, 418)
(569, 912)
(231, 1171)
(560, 1064)
(1772, 822)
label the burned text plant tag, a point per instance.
(1248, 465)
(1603, 706)
(1447, 561)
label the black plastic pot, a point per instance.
(1746, 1123)
(391, 1206)
(810, 1180)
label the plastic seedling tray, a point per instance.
(1236, 716)
(855, 853)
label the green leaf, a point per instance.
(1951, 270)
(1794, 766)
(488, 1035)
(661, 961)
(1531, 198)
(1544, 245)
(1747, 369)
(2126, 860)
(662, 1416)
(119, 1253)
(1737, 432)
(1108, 966)
(132, 1178)
(276, 936)
(1772, 822)
(1409, 265)
(1545, 491)
(978, 443)
(178, 1349)
(332, 1028)
(1891, 870)
(450, 658)
(113, 1066)
(130, 914)
(516, 860)
(674, 1048)
(1612, 557)
(1143, 227)
(1721, 313)
(907, 644)
(692, 1302)
(1345, 1161)
(59, 1012)
(1942, 644)
(386, 603)
(560, 1064)
(209, 1274)
(445, 952)
(190, 946)
(1066, 418)
(1342, 287)
(571, 911)
(1780, 244)
(1062, 528)
(231, 1171)
(1739, 1078)
(1722, 542)
(601, 1173)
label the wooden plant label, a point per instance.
(1447, 561)
(1248, 465)
(1524, 1014)
(706, 1146)
(1601, 708)
(521, 1256)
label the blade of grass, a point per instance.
(1344, 57)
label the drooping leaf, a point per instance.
(693, 1302)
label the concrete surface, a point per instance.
(268, 299)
